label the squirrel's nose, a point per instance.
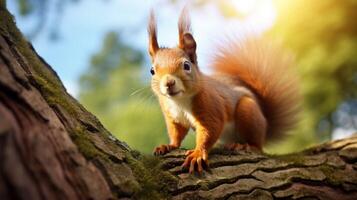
(170, 83)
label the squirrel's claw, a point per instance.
(194, 160)
(189, 152)
(163, 149)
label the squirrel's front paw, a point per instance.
(163, 149)
(194, 158)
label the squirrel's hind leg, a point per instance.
(250, 123)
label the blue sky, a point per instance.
(84, 24)
(82, 29)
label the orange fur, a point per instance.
(210, 114)
(251, 124)
(267, 72)
(250, 98)
(176, 131)
(153, 44)
(186, 41)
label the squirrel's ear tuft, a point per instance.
(153, 45)
(186, 40)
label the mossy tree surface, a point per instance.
(53, 148)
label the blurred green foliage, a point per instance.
(321, 33)
(25, 7)
(117, 91)
(323, 36)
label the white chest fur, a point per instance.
(181, 111)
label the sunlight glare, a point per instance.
(259, 14)
(245, 7)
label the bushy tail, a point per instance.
(267, 72)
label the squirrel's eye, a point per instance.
(187, 66)
(152, 71)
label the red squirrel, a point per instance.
(250, 98)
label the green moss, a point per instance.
(49, 85)
(163, 178)
(154, 181)
(203, 185)
(296, 158)
(331, 174)
(149, 189)
(328, 171)
(54, 95)
(85, 146)
(7, 20)
(8, 27)
(43, 77)
(2, 4)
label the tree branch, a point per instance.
(53, 148)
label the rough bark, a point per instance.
(53, 148)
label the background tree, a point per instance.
(39, 10)
(323, 36)
(51, 147)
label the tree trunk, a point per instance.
(53, 148)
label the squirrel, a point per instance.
(250, 98)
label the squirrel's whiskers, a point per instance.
(246, 99)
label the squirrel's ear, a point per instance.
(186, 40)
(153, 45)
